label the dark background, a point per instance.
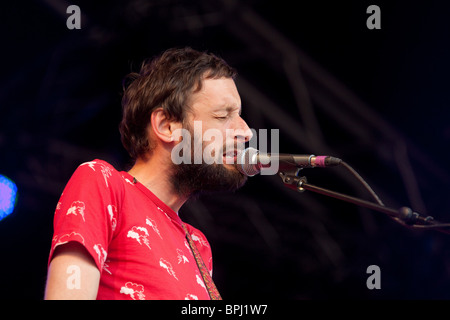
(379, 99)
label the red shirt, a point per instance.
(136, 241)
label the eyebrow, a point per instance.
(229, 109)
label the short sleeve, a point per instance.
(87, 211)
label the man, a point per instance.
(117, 235)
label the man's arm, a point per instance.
(72, 274)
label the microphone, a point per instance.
(250, 161)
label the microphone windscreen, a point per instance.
(248, 162)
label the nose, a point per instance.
(242, 131)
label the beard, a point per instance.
(195, 179)
(192, 180)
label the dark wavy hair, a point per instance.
(166, 82)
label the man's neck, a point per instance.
(154, 173)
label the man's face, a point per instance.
(218, 133)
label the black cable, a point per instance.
(364, 183)
(429, 221)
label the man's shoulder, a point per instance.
(97, 164)
(197, 235)
(96, 170)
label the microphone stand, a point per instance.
(404, 215)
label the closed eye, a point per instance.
(222, 118)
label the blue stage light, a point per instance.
(8, 196)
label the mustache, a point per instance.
(234, 147)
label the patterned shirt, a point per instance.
(137, 242)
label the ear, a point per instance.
(162, 126)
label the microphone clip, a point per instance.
(292, 180)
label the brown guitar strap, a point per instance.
(211, 287)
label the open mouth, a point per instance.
(230, 156)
